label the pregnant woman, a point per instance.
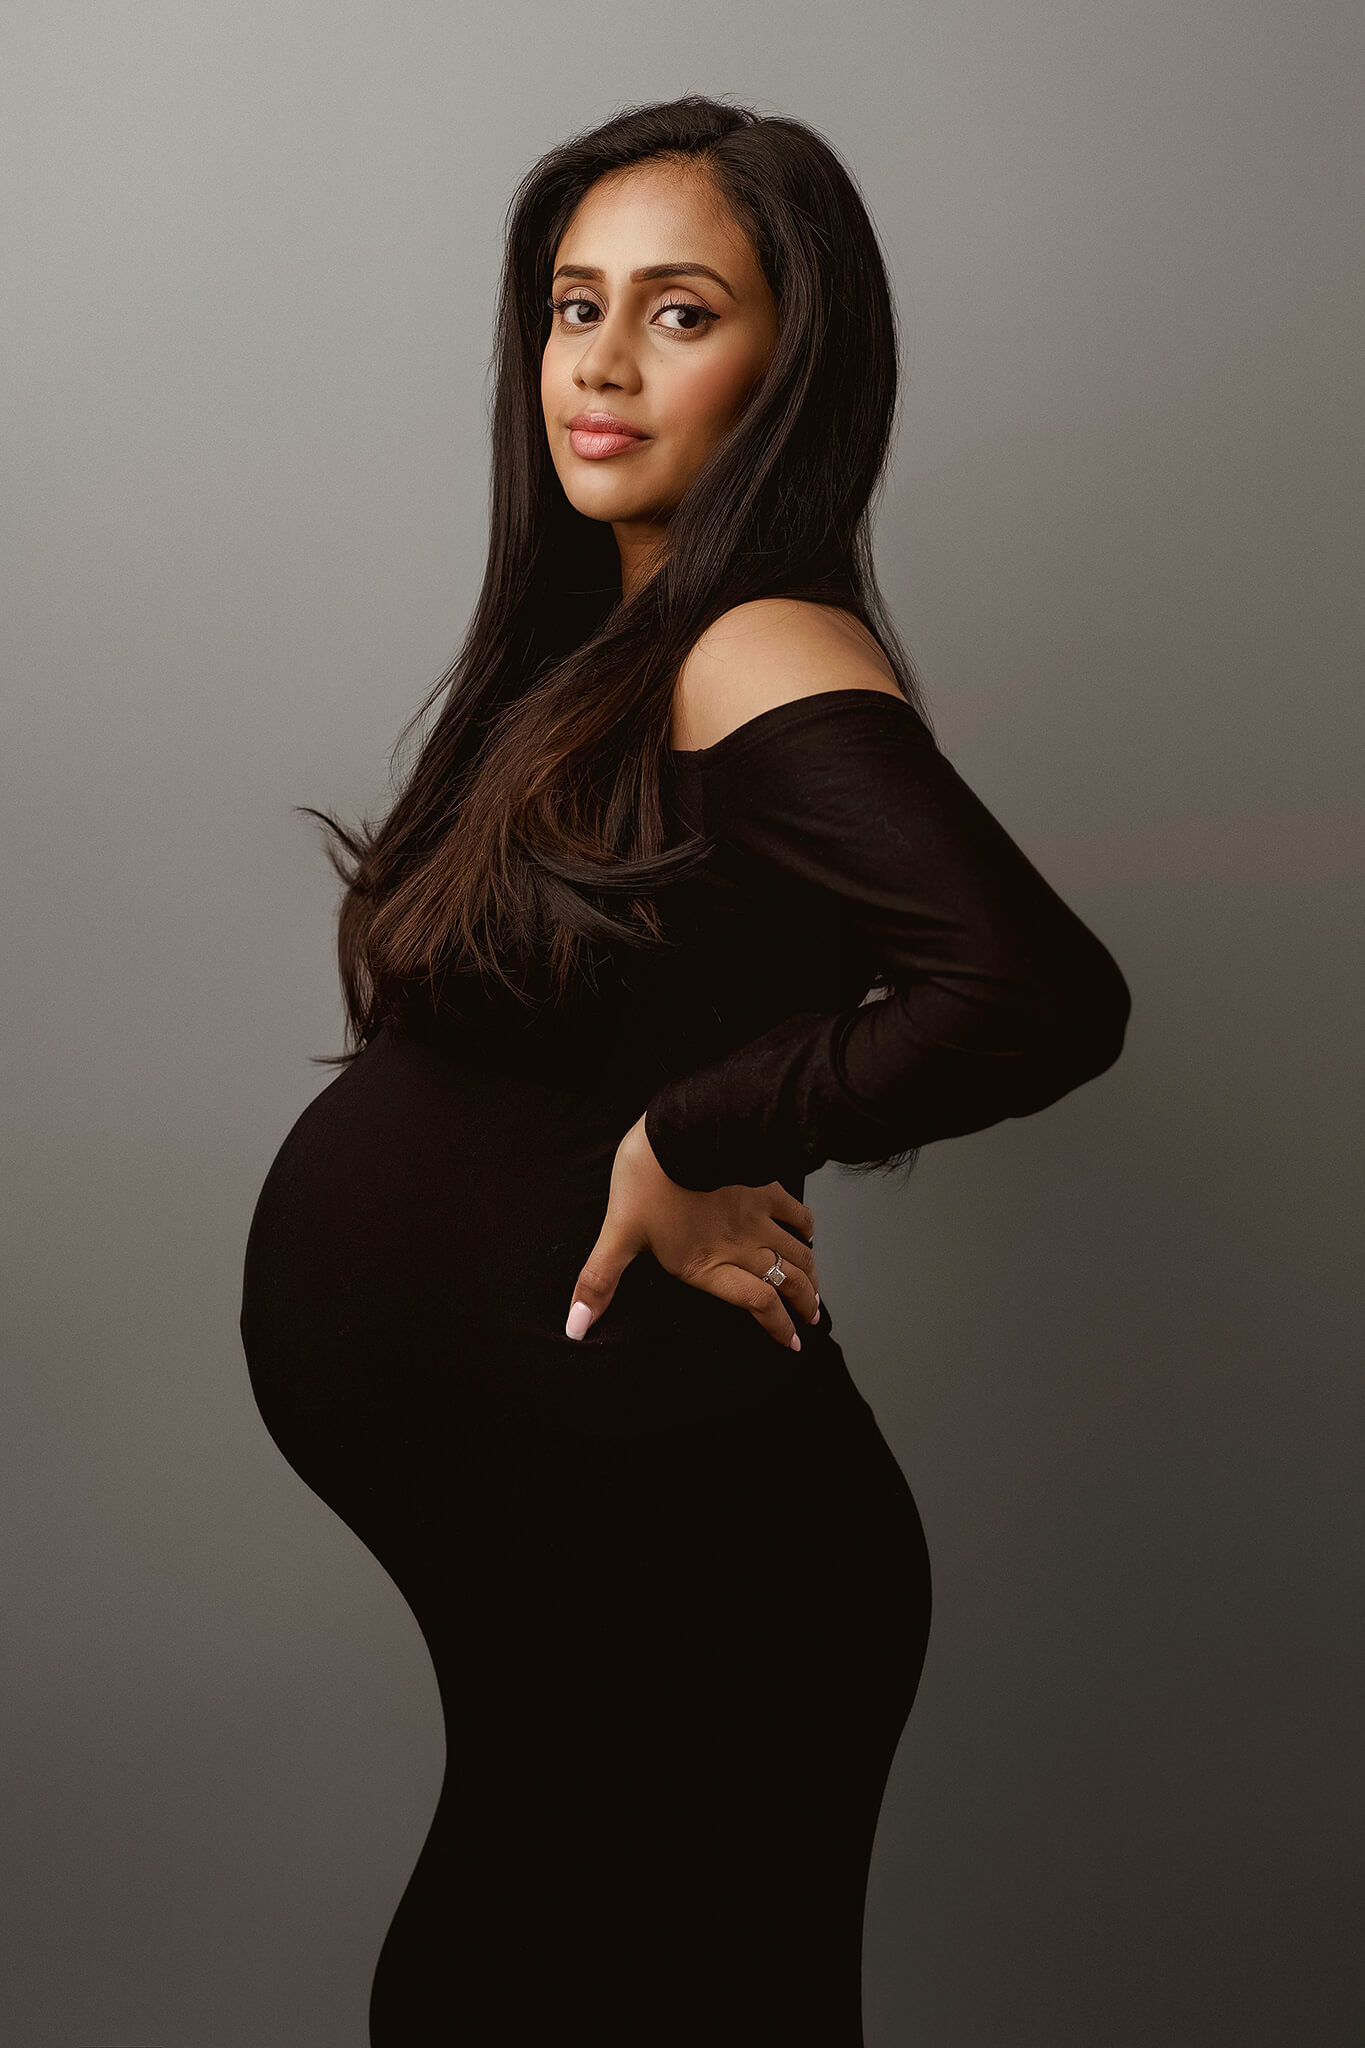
(678, 900)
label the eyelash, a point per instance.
(687, 305)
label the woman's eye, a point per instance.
(703, 315)
(562, 306)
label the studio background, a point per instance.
(251, 256)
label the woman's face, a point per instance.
(673, 355)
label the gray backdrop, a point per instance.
(251, 254)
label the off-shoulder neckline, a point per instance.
(778, 715)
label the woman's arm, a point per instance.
(1001, 999)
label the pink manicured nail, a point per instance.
(795, 1344)
(580, 1315)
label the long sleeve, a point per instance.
(1001, 1000)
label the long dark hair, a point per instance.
(530, 827)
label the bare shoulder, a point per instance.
(767, 652)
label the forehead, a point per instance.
(657, 213)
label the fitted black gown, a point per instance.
(673, 1582)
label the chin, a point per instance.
(608, 504)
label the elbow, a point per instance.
(1098, 1018)
(1113, 1019)
(1079, 1026)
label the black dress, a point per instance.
(673, 1582)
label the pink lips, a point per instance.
(594, 434)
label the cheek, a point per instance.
(708, 395)
(556, 369)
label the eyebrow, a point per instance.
(650, 270)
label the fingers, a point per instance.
(796, 1289)
(801, 1288)
(735, 1284)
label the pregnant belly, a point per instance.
(411, 1261)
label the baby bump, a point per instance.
(412, 1258)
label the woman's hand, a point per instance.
(723, 1242)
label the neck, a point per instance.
(642, 547)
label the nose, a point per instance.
(608, 360)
